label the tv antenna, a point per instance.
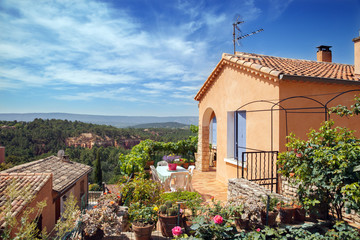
(237, 37)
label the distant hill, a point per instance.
(116, 121)
(162, 125)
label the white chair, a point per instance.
(154, 174)
(162, 163)
(179, 181)
(191, 169)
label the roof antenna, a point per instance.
(239, 36)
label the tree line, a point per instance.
(29, 141)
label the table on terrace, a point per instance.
(164, 173)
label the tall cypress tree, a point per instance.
(97, 170)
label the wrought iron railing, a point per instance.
(259, 167)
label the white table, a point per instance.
(164, 173)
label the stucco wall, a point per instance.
(300, 123)
(48, 213)
(232, 89)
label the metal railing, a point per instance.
(259, 167)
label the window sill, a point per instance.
(233, 161)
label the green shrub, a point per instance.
(144, 191)
(94, 187)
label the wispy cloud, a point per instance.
(68, 46)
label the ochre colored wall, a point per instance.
(301, 123)
(232, 89)
(76, 188)
(48, 213)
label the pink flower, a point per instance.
(218, 219)
(298, 155)
(258, 229)
(176, 231)
(181, 210)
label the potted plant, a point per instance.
(185, 162)
(272, 212)
(143, 220)
(300, 212)
(172, 161)
(189, 200)
(102, 219)
(287, 212)
(169, 217)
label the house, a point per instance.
(39, 188)
(52, 179)
(251, 102)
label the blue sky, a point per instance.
(149, 57)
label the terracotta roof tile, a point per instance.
(64, 173)
(277, 67)
(30, 182)
(300, 67)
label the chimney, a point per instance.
(356, 56)
(324, 54)
(2, 154)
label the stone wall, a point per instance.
(243, 188)
(290, 190)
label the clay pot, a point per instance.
(142, 233)
(271, 218)
(185, 165)
(167, 223)
(286, 214)
(299, 214)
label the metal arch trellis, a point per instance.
(323, 109)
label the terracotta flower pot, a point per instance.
(299, 214)
(172, 166)
(287, 214)
(271, 218)
(167, 223)
(185, 165)
(142, 233)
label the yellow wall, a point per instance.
(232, 89)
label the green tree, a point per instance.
(97, 175)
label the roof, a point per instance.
(277, 68)
(32, 183)
(65, 173)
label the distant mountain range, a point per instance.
(116, 121)
(162, 125)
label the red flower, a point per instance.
(109, 192)
(105, 193)
(298, 155)
(118, 196)
(218, 219)
(176, 231)
(258, 229)
(95, 206)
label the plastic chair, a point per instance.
(179, 181)
(162, 163)
(154, 174)
(191, 169)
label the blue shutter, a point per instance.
(240, 133)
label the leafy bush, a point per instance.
(144, 191)
(94, 187)
(323, 166)
(192, 200)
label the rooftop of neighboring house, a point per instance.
(30, 183)
(65, 173)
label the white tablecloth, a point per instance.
(164, 173)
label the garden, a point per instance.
(324, 169)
